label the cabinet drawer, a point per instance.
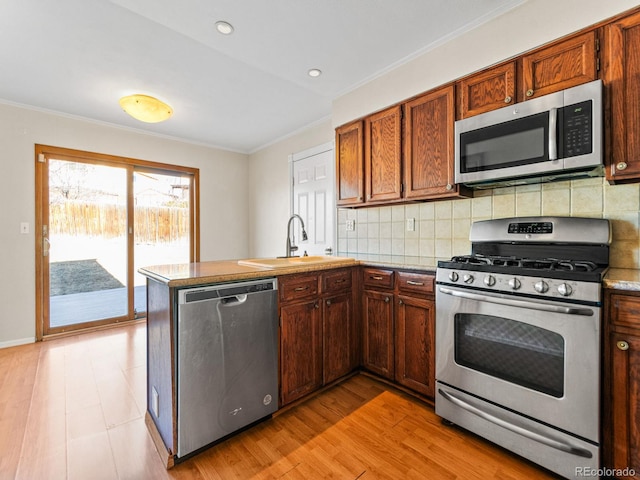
(297, 287)
(374, 277)
(416, 282)
(625, 311)
(336, 281)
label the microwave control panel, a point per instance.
(577, 129)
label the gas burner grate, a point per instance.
(550, 264)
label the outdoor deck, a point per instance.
(83, 307)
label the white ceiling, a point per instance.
(238, 92)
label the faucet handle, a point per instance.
(293, 248)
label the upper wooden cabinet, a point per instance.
(383, 155)
(487, 90)
(428, 148)
(561, 65)
(621, 75)
(349, 164)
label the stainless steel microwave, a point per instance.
(553, 137)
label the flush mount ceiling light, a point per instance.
(145, 108)
(225, 28)
(314, 72)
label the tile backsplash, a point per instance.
(441, 228)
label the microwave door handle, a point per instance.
(513, 302)
(553, 134)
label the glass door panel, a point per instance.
(162, 224)
(86, 243)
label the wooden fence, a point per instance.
(151, 224)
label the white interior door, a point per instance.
(313, 198)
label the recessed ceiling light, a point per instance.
(314, 72)
(224, 28)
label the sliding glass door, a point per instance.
(99, 219)
(162, 233)
(86, 243)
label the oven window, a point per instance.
(513, 351)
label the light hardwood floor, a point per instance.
(74, 408)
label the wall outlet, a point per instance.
(351, 225)
(411, 224)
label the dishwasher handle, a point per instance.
(233, 301)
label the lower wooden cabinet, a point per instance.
(621, 418)
(414, 344)
(325, 333)
(377, 334)
(399, 328)
(300, 350)
(318, 331)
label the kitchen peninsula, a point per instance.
(322, 320)
(164, 284)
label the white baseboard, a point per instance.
(15, 343)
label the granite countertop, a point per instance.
(189, 274)
(200, 273)
(622, 279)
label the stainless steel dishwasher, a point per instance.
(227, 360)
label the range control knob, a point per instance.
(565, 289)
(468, 278)
(453, 276)
(515, 284)
(541, 286)
(489, 280)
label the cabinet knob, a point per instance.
(400, 302)
(622, 345)
(507, 99)
(449, 187)
(359, 199)
(328, 302)
(387, 300)
(529, 93)
(316, 305)
(621, 165)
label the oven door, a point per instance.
(536, 357)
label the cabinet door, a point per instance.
(377, 314)
(621, 65)
(562, 65)
(429, 150)
(300, 350)
(350, 164)
(337, 319)
(415, 344)
(488, 90)
(383, 136)
(625, 401)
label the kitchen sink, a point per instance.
(283, 262)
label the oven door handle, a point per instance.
(512, 302)
(544, 439)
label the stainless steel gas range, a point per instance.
(518, 326)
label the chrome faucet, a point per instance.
(290, 246)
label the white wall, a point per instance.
(224, 200)
(269, 188)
